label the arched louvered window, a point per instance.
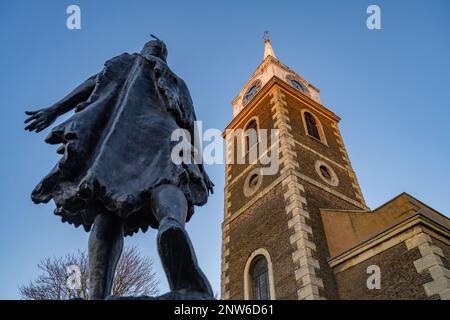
(260, 278)
(311, 125)
(251, 135)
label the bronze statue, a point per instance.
(116, 175)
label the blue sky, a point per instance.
(391, 87)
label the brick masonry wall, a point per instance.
(237, 173)
(399, 278)
(307, 160)
(238, 199)
(446, 250)
(433, 260)
(317, 199)
(263, 225)
(445, 262)
(264, 116)
(331, 151)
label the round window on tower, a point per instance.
(252, 182)
(326, 173)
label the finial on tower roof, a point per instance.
(268, 51)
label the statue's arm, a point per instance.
(79, 94)
(41, 119)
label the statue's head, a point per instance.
(155, 48)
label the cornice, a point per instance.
(266, 89)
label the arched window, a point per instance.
(311, 126)
(260, 278)
(251, 135)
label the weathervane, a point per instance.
(266, 36)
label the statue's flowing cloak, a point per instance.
(117, 147)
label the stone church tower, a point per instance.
(280, 236)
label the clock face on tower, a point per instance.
(250, 93)
(297, 84)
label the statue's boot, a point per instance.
(179, 260)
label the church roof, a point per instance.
(362, 226)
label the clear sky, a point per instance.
(391, 87)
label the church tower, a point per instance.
(273, 239)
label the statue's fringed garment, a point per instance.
(117, 147)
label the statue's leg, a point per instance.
(174, 246)
(105, 248)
